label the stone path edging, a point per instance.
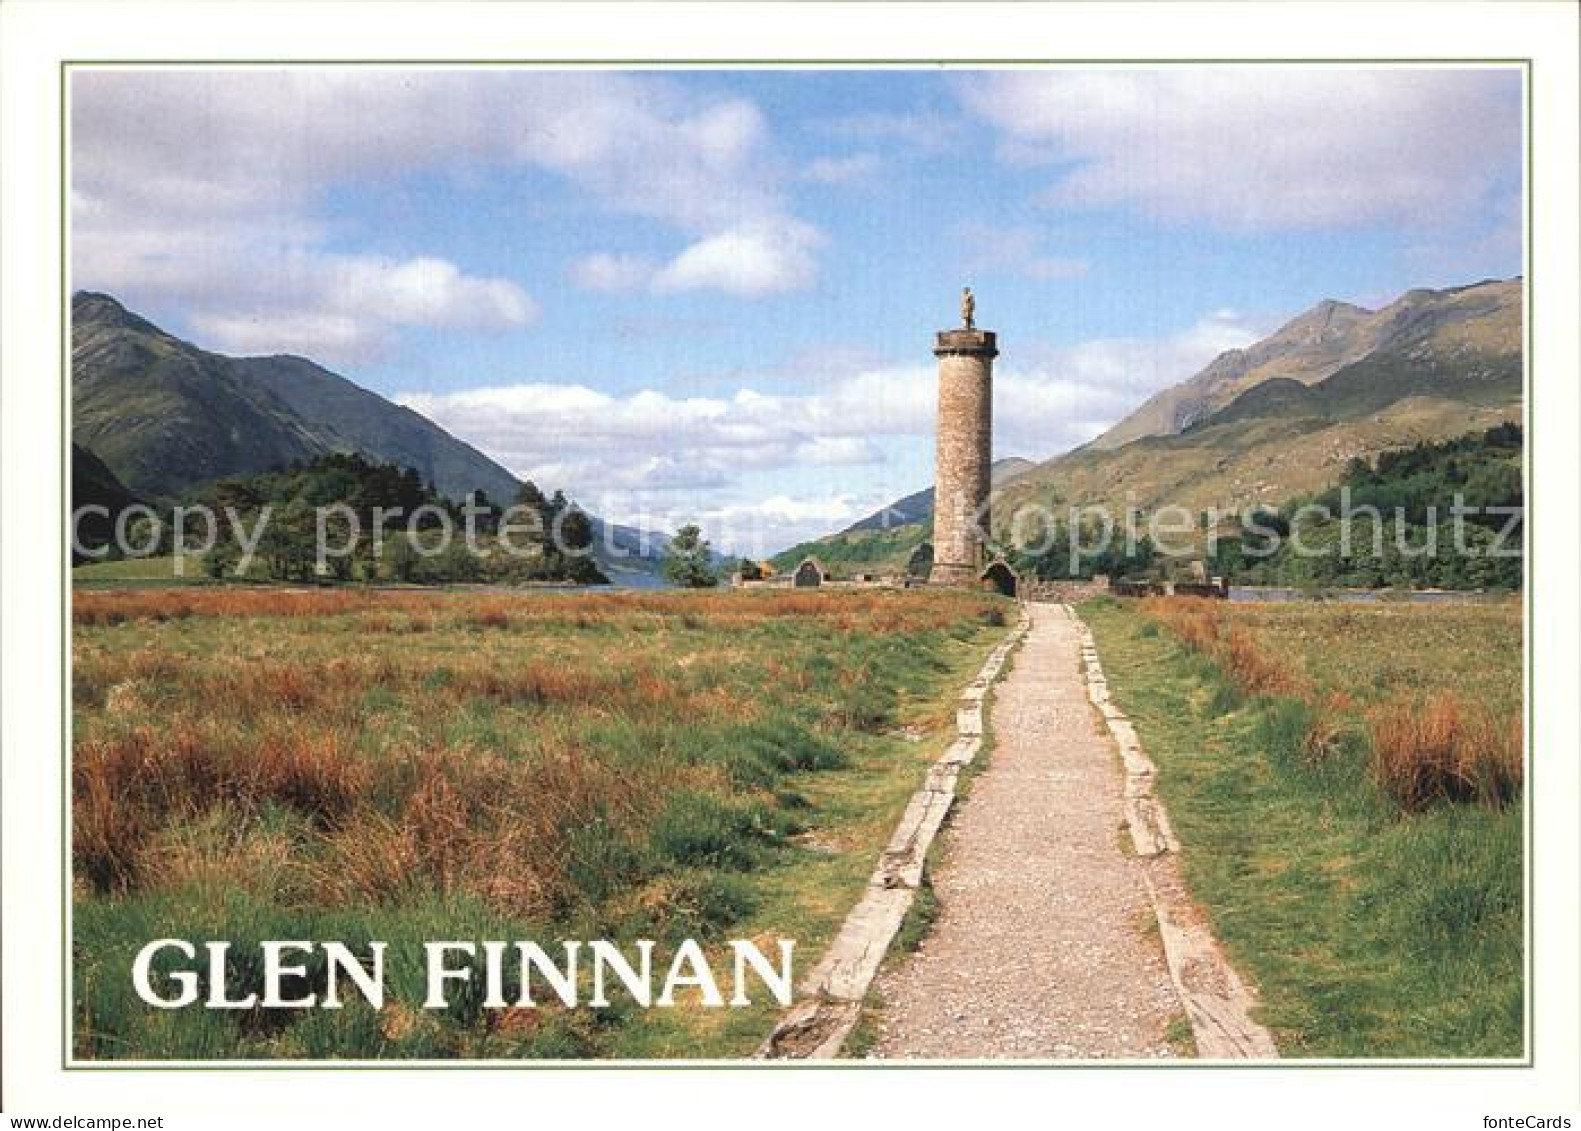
(816, 1027)
(1216, 1000)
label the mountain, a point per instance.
(165, 417)
(1430, 366)
(95, 485)
(383, 430)
(1330, 336)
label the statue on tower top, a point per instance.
(968, 309)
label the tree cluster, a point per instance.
(398, 527)
(1415, 539)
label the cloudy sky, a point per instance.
(709, 295)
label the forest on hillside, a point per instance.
(376, 522)
(1389, 522)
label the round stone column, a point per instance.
(964, 460)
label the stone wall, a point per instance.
(1065, 592)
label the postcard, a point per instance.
(1015, 562)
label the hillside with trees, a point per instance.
(1401, 530)
(168, 421)
(380, 524)
(413, 547)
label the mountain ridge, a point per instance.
(1308, 348)
(294, 407)
(150, 405)
(1439, 364)
(164, 416)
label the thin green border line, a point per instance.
(68, 1064)
(890, 63)
(66, 721)
(1529, 904)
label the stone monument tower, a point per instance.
(964, 458)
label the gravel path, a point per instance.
(1044, 945)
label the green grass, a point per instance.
(1369, 933)
(880, 551)
(1180, 1037)
(1373, 652)
(160, 568)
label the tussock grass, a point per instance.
(1445, 750)
(253, 764)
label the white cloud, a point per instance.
(763, 527)
(270, 288)
(639, 143)
(1135, 366)
(428, 291)
(203, 189)
(1256, 148)
(756, 528)
(651, 439)
(764, 257)
(836, 451)
(835, 508)
(338, 339)
(750, 260)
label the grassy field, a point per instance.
(257, 764)
(141, 570)
(1347, 782)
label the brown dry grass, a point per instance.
(252, 687)
(427, 743)
(99, 608)
(420, 819)
(1203, 626)
(396, 610)
(1254, 670)
(127, 788)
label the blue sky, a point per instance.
(687, 295)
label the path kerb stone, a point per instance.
(831, 994)
(1217, 1001)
